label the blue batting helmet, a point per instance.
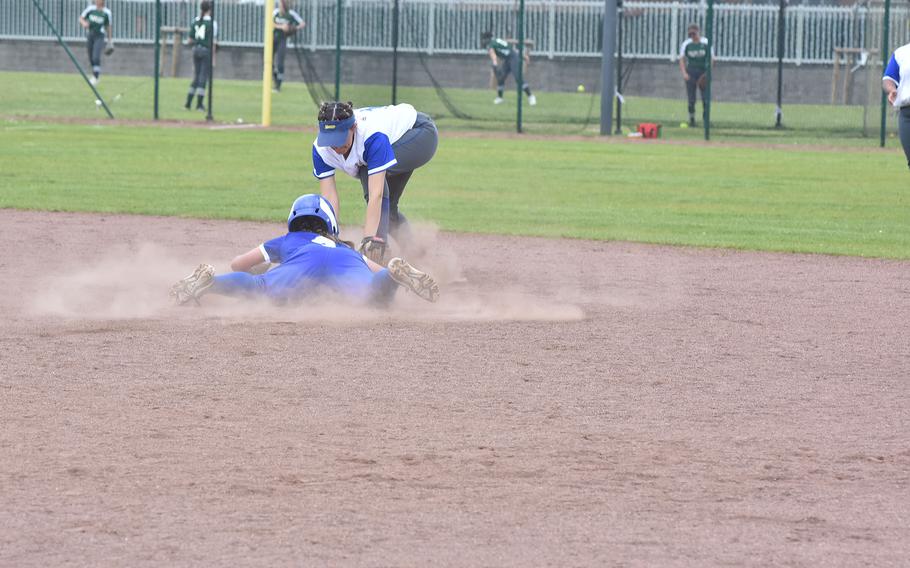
(312, 205)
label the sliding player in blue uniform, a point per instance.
(382, 146)
(310, 258)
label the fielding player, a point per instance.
(694, 58)
(202, 37)
(96, 19)
(311, 258)
(382, 146)
(896, 84)
(505, 60)
(287, 23)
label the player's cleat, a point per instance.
(532, 100)
(498, 101)
(200, 108)
(414, 280)
(191, 287)
(93, 80)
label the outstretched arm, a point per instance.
(328, 190)
(376, 185)
(248, 260)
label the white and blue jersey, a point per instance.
(377, 128)
(309, 262)
(898, 71)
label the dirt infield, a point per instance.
(567, 403)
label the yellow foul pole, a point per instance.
(267, 65)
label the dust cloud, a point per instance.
(133, 283)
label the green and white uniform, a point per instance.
(697, 57)
(202, 33)
(280, 41)
(96, 36)
(508, 62)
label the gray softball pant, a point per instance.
(202, 69)
(414, 149)
(509, 65)
(904, 131)
(691, 86)
(95, 44)
(280, 49)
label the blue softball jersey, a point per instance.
(309, 261)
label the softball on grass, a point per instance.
(580, 88)
(684, 125)
(98, 102)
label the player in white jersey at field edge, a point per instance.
(96, 19)
(896, 84)
(382, 146)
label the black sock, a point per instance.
(189, 100)
(199, 101)
(528, 91)
(499, 92)
(96, 74)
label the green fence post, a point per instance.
(157, 52)
(73, 59)
(395, 9)
(712, 42)
(519, 73)
(781, 27)
(338, 30)
(208, 115)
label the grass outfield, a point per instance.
(781, 200)
(66, 95)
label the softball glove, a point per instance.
(374, 248)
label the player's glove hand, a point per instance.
(374, 248)
(110, 48)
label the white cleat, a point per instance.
(414, 280)
(532, 100)
(192, 287)
(93, 80)
(498, 101)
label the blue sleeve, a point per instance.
(320, 168)
(893, 71)
(377, 151)
(271, 250)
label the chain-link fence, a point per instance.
(825, 61)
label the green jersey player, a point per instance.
(694, 58)
(287, 23)
(505, 60)
(202, 37)
(96, 19)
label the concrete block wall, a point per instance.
(661, 78)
